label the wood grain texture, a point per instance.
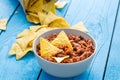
(7, 8)
(113, 66)
(27, 68)
(10, 69)
(98, 16)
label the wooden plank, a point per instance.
(97, 15)
(7, 8)
(113, 66)
(98, 67)
(27, 68)
(10, 69)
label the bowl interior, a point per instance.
(67, 31)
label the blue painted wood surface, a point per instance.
(7, 8)
(97, 15)
(113, 66)
(27, 68)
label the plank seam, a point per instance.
(39, 74)
(111, 41)
(96, 54)
(11, 16)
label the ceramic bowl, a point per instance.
(64, 70)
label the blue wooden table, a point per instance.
(101, 17)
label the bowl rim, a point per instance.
(34, 51)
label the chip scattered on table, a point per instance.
(80, 26)
(63, 40)
(60, 4)
(21, 53)
(3, 23)
(47, 49)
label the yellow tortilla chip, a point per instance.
(14, 49)
(47, 49)
(62, 39)
(60, 59)
(31, 17)
(37, 6)
(21, 53)
(26, 32)
(50, 18)
(60, 4)
(3, 23)
(80, 26)
(59, 23)
(25, 4)
(36, 28)
(24, 41)
(46, 17)
(48, 5)
(31, 2)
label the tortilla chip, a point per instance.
(60, 4)
(36, 28)
(59, 23)
(63, 40)
(25, 4)
(24, 33)
(60, 59)
(21, 53)
(49, 6)
(14, 49)
(24, 41)
(3, 23)
(31, 2)
(31, 17)
(36, 7)
(46, 18)
(80, 26)
(47, 49)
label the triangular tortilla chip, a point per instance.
(60, 59)
(26, 32)
(24, 41)
(48, 5)
(32, 2)
(40, 31)
(46, 17)
(37, 6)
(62, 39)
(47, 49)
(21, 53)
(3, 23)
(31, 17)
(60, 4)
(59, 23)
(14, 49)
(80, 26)
(25, 4)
(36, 28)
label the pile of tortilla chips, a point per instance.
(25, 39)
(49, 49)
(32, 7)
(39, 11)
